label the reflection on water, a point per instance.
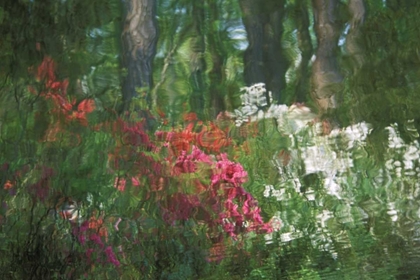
(210, 139)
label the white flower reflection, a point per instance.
(334, 156)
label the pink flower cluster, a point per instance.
(95, 246)
(187, 163)
(240, 212)
(224, 202)
(111, 256)
(229, 172)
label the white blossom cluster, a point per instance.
(255, 100)
(404, 158)
(311, 151)
(321, 154)
(334, 156)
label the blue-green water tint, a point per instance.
(338, 176)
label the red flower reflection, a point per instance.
(57, 92)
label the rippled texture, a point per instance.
(228, 139)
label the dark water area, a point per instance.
(214, 139)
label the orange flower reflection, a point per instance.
(213, 138)
(8, 185)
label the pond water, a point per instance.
(214, 139)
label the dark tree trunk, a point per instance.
(252, 17)
(218, 55)
(326, 78)
(305, 46)
(264, 60)
(356, 52)
(353, 44)
(139, 39)
(274, 60)
(197, 62)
